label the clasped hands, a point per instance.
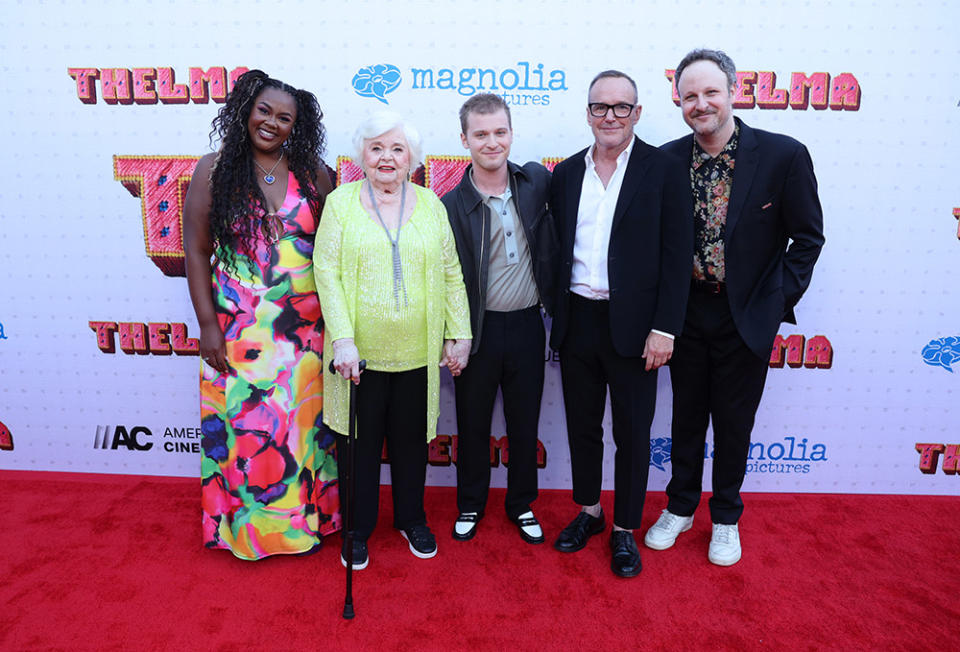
(346, 357)
(455, 355)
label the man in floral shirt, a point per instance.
(759, 229)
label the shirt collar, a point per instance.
(484, 197)
(621, 158)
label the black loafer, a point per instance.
(527, 522)
(574, 537)
(473, 519)
(626, 557)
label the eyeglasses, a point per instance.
(599, 109)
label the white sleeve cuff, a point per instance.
(668, 335)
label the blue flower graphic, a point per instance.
(376, 81)
(943, 352)
(214, 440)
(660, 452)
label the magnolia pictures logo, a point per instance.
(377, 81)
(660, 452)
(943, 352)
(525, 84)
(788, 456)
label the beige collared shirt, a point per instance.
(510, 282)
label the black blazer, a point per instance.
(773, 203)
(650, 254)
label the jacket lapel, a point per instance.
(574, 186)
(471, 202)
(632, 179)
(745, 168)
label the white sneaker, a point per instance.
(665, 531)
(724, 545)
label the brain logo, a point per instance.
(942, 353)
(376, 81)
(660, 452)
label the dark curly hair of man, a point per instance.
(235, 195)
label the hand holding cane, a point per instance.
(346, 492)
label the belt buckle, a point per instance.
(709, 287)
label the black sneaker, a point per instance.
(360, 556)
(422, 542)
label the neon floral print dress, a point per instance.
(269, 470)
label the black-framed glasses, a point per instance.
(599, 109)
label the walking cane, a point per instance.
(347, 492)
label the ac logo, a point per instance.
(114, 437)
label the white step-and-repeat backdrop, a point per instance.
(108, 105)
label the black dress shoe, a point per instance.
(626, 557)
(527, 522)
(574, 537)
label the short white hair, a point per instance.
(380, 123)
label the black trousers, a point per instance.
(714, 376)
(391, 405)
(588, 365)
(510, 358)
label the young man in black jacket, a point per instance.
(506, 241)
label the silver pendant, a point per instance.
(269, 179)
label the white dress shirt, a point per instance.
(588, 278)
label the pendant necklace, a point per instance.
(268, 176)
(398, 284)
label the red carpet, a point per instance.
(115, 562)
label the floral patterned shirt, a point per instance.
(711, 180)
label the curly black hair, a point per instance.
(233, 182)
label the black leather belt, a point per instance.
(588, 304)
(708, 287)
